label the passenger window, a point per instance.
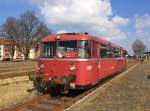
(84, 49)
(103, 51)
(117, 53)
(49, 49)
(110, 52)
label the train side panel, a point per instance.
(86, 71)
(110, 66)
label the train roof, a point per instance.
(79, 36)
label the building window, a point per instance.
(7, 55)
(19, 55)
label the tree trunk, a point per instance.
(27, 52)
(12, 52)
(26, 57)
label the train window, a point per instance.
(65, 47)
(49, 49)
(117, 53)
(84, 49)
(110, 53)
(103, 51)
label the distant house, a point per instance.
(146, 54)
(5, 52)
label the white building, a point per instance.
(1, 51)
(32, 53)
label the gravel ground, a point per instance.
(129, 93)
(15, 93)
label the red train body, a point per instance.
(78, 61)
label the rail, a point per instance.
(15, 75)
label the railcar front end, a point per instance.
(74, 61)
(66, 64)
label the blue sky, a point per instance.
(128, 8)
(120, 21)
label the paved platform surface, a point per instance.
(128, 93)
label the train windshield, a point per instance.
(49, 49)
(67, 49)
(74, 49)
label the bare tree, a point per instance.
(32, 30)
(42, 31)
(11, 28)
(25, 32)
(138, 47)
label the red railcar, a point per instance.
(76, 61)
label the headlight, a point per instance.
(42, 66)
(58, 36)
(72, 67)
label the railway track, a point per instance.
(15, 75)
(3, 70)
(16, 72)
(7, 79)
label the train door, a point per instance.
(95, 60)
(103, 61)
